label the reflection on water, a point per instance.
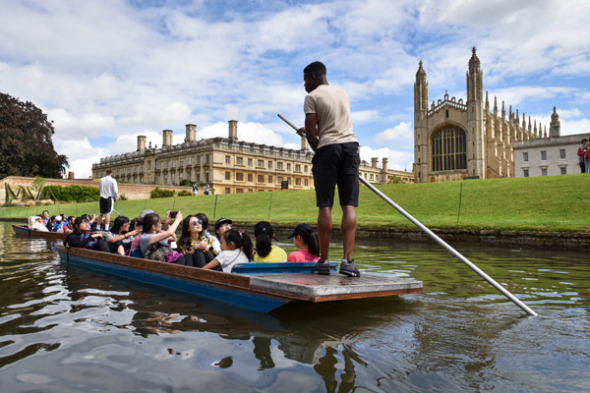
(68, 329)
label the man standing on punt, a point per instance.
(108, 195)
(328, 129)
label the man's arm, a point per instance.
(115, 189)
(311, 130)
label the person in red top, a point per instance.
(582, 151)
(306, 240)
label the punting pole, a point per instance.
(440, 241)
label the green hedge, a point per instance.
(159, 193)
(71, 193)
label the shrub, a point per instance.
(186, 183)
(184, 193)
(159, 193)
(71, 193)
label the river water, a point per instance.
(68, 329)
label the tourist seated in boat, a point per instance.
(83, 238)
(135, 243)
(36, 223)
(266, 251)
(211, 239)
(195, 247)
(222, 225)
(119, 237)
(236, 248)
(58, 223)
(154, 242)
(135, 250)
(69, 227)
(45, 218)
(306, 240)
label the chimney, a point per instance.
(141, 139)
(374, 161)
(191, 133)
(384, 162)
(233, 130)
(167, 138)
(304, 144)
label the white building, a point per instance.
(556, 155)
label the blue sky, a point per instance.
(107, 71)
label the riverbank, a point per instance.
(547, 211)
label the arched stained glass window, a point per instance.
(449, 149)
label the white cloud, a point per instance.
(398, 160)
(404, 131)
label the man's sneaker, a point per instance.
(321, 267)
(347, 268)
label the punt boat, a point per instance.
(261, 287)
(23, 230)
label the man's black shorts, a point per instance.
(106, 205)
(337, 165)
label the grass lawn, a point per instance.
(551, 203)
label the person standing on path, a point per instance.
(108, 195)
(328, 129)
(582, 155)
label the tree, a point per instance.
(26, 148)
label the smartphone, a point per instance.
(173, 214)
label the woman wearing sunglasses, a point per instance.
(193, 244)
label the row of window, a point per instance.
(563, 171)
(260, 178)
(562, 155)
(239, 161)
(269, 164)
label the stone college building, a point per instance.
(226, 165)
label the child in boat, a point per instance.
(118, 238)
(306, 240)
(265, 250)
(193, 244)
(153, 238)
(236, 247)
(83, 238)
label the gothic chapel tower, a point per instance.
(476, 150)
(420, 125)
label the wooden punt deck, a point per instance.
(315, 288)
(255, 286)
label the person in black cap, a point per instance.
(222, 225)
(306, 240)
(265, 250)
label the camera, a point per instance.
(173, 214)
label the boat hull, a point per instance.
(23, 230)
(261, 287)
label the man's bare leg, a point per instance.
(348, 227)
(324, 230)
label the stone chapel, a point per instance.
(455, 140)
